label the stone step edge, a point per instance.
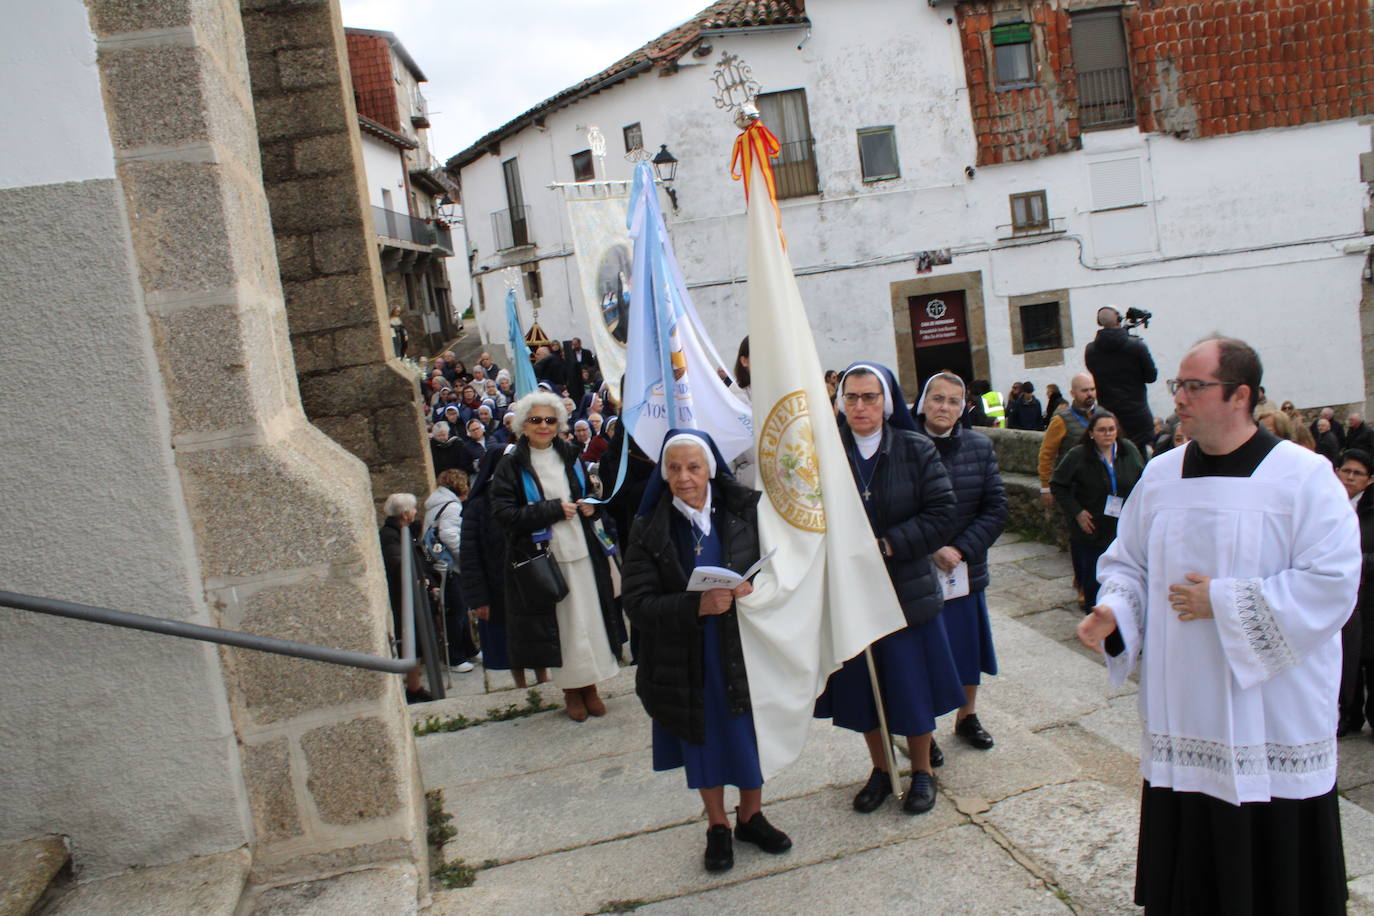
(27, 870)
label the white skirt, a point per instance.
(587, 655)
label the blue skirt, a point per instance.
(730, 756)
(970, 637)
(918, 678)
(493, 638)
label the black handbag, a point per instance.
(538, 580)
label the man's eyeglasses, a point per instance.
(1352, 472)
(868, 398)
(1193, 386)
(547, 421)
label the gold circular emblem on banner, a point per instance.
(787, 462)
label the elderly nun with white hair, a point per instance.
(692, 678)
(559, 599)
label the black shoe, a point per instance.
(762, 834)
(418, 696)
(720, 850)
(972, 731)
(920, 798)
(874, 792)
(937, 756)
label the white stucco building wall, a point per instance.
(120, 740)
(385, 173)
(1255, 235)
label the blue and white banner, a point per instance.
(522, 370)
(667, 342)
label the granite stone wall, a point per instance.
(331, 275)
(281, 516)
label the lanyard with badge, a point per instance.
(1114, 502)
(1081, 419)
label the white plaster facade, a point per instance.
(1258, 235)
(386, 175)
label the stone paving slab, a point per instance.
(1097, 758)
(961, 868)
(208, 885)
(1051, 566)
(667, 863)
(476, 704)
(1083, 833)
(1020, 550)
(1357, 834)
(1039, 684)
(1117, 722)
(1019, 761)
(605, 797)
(528, 745)
(374, 891)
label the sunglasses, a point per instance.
(547, 421)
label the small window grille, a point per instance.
(634, 137)
(1040, 327)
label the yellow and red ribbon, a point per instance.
(757, 142)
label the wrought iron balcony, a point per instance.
(511, 228)
(444, 238)
(1105, 98)
(402, 227)
(795, 169)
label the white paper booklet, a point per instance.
(709, 577)
(955, 582)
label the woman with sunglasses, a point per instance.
(538, 497)
(1091, 484)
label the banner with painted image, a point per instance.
(671, 375)
(597, 214)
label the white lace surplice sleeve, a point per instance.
(1268, 625)
(1124, 584)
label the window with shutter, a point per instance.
(1098, 38)
(583, 168)
(1012, 55)
(786, 115)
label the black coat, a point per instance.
(1081, 482)
(980, 500)
(450, 454)
(472, 455)
(482, 558)
(1121, 366)
(914, 511)
(1025, 414)
(390, 536)
(532, 632)
(552, 369)
(1361, 437)
(670, 676)
(1363, 618)
(1329, 447)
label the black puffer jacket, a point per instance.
(670, 676)
(915, 512)
(532, 632)
(980, 500)
(482, 558)
(1121, 366)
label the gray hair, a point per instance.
(442, 425)
(521, 408)
(398, 504)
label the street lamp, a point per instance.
(665, 167)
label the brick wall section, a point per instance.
(327, 246)
(374, 86)
(1200, 68)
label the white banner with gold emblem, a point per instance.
(826, 595)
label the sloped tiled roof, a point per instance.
(663, 51)
(374, 88)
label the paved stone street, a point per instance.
(570, 818)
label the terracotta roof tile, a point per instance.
(374, 88)
(663, 51)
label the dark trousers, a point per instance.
(461, 644)
(1084, 558)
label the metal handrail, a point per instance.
(240, 640)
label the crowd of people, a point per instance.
(570, 587)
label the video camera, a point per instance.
(1136, 318)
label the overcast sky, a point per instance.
(489, 61)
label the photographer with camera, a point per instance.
(1122, 366)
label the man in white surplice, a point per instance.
(1236, 562)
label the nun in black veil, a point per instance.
(692, 678)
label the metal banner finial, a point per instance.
(735, 83)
